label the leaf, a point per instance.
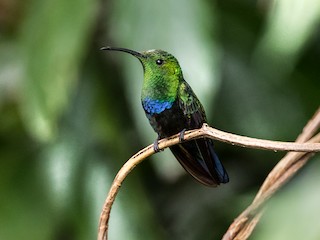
(53, 40)
(291, 23)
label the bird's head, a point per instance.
(156, 63)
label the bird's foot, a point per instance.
(156, 146)
(181, 136)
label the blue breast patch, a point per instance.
(152, 106)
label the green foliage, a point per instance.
(70, 114)
(53, 40)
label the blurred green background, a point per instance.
(70, 115)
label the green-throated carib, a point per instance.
(172, 107)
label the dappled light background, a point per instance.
(70, 115)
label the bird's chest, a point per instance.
(166, 118)
(152, 106)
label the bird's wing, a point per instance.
(191, 106)
(197, 156)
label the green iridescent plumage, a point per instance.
(172, 107)
(163, 83)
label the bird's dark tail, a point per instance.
(200, 160)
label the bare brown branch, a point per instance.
(249, 218)
(244, 224)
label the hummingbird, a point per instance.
(172, 107)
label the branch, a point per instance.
(244, 224)
(255, 143)
(205, 131)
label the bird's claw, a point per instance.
(181, 136)
(156, 146)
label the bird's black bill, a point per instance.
(134, 53)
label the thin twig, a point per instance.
(258, 143)
(205, 131)
(244, 224)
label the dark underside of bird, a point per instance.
(196, 156)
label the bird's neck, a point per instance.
(160, 88)
(159, 93)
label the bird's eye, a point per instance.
(159, 61)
